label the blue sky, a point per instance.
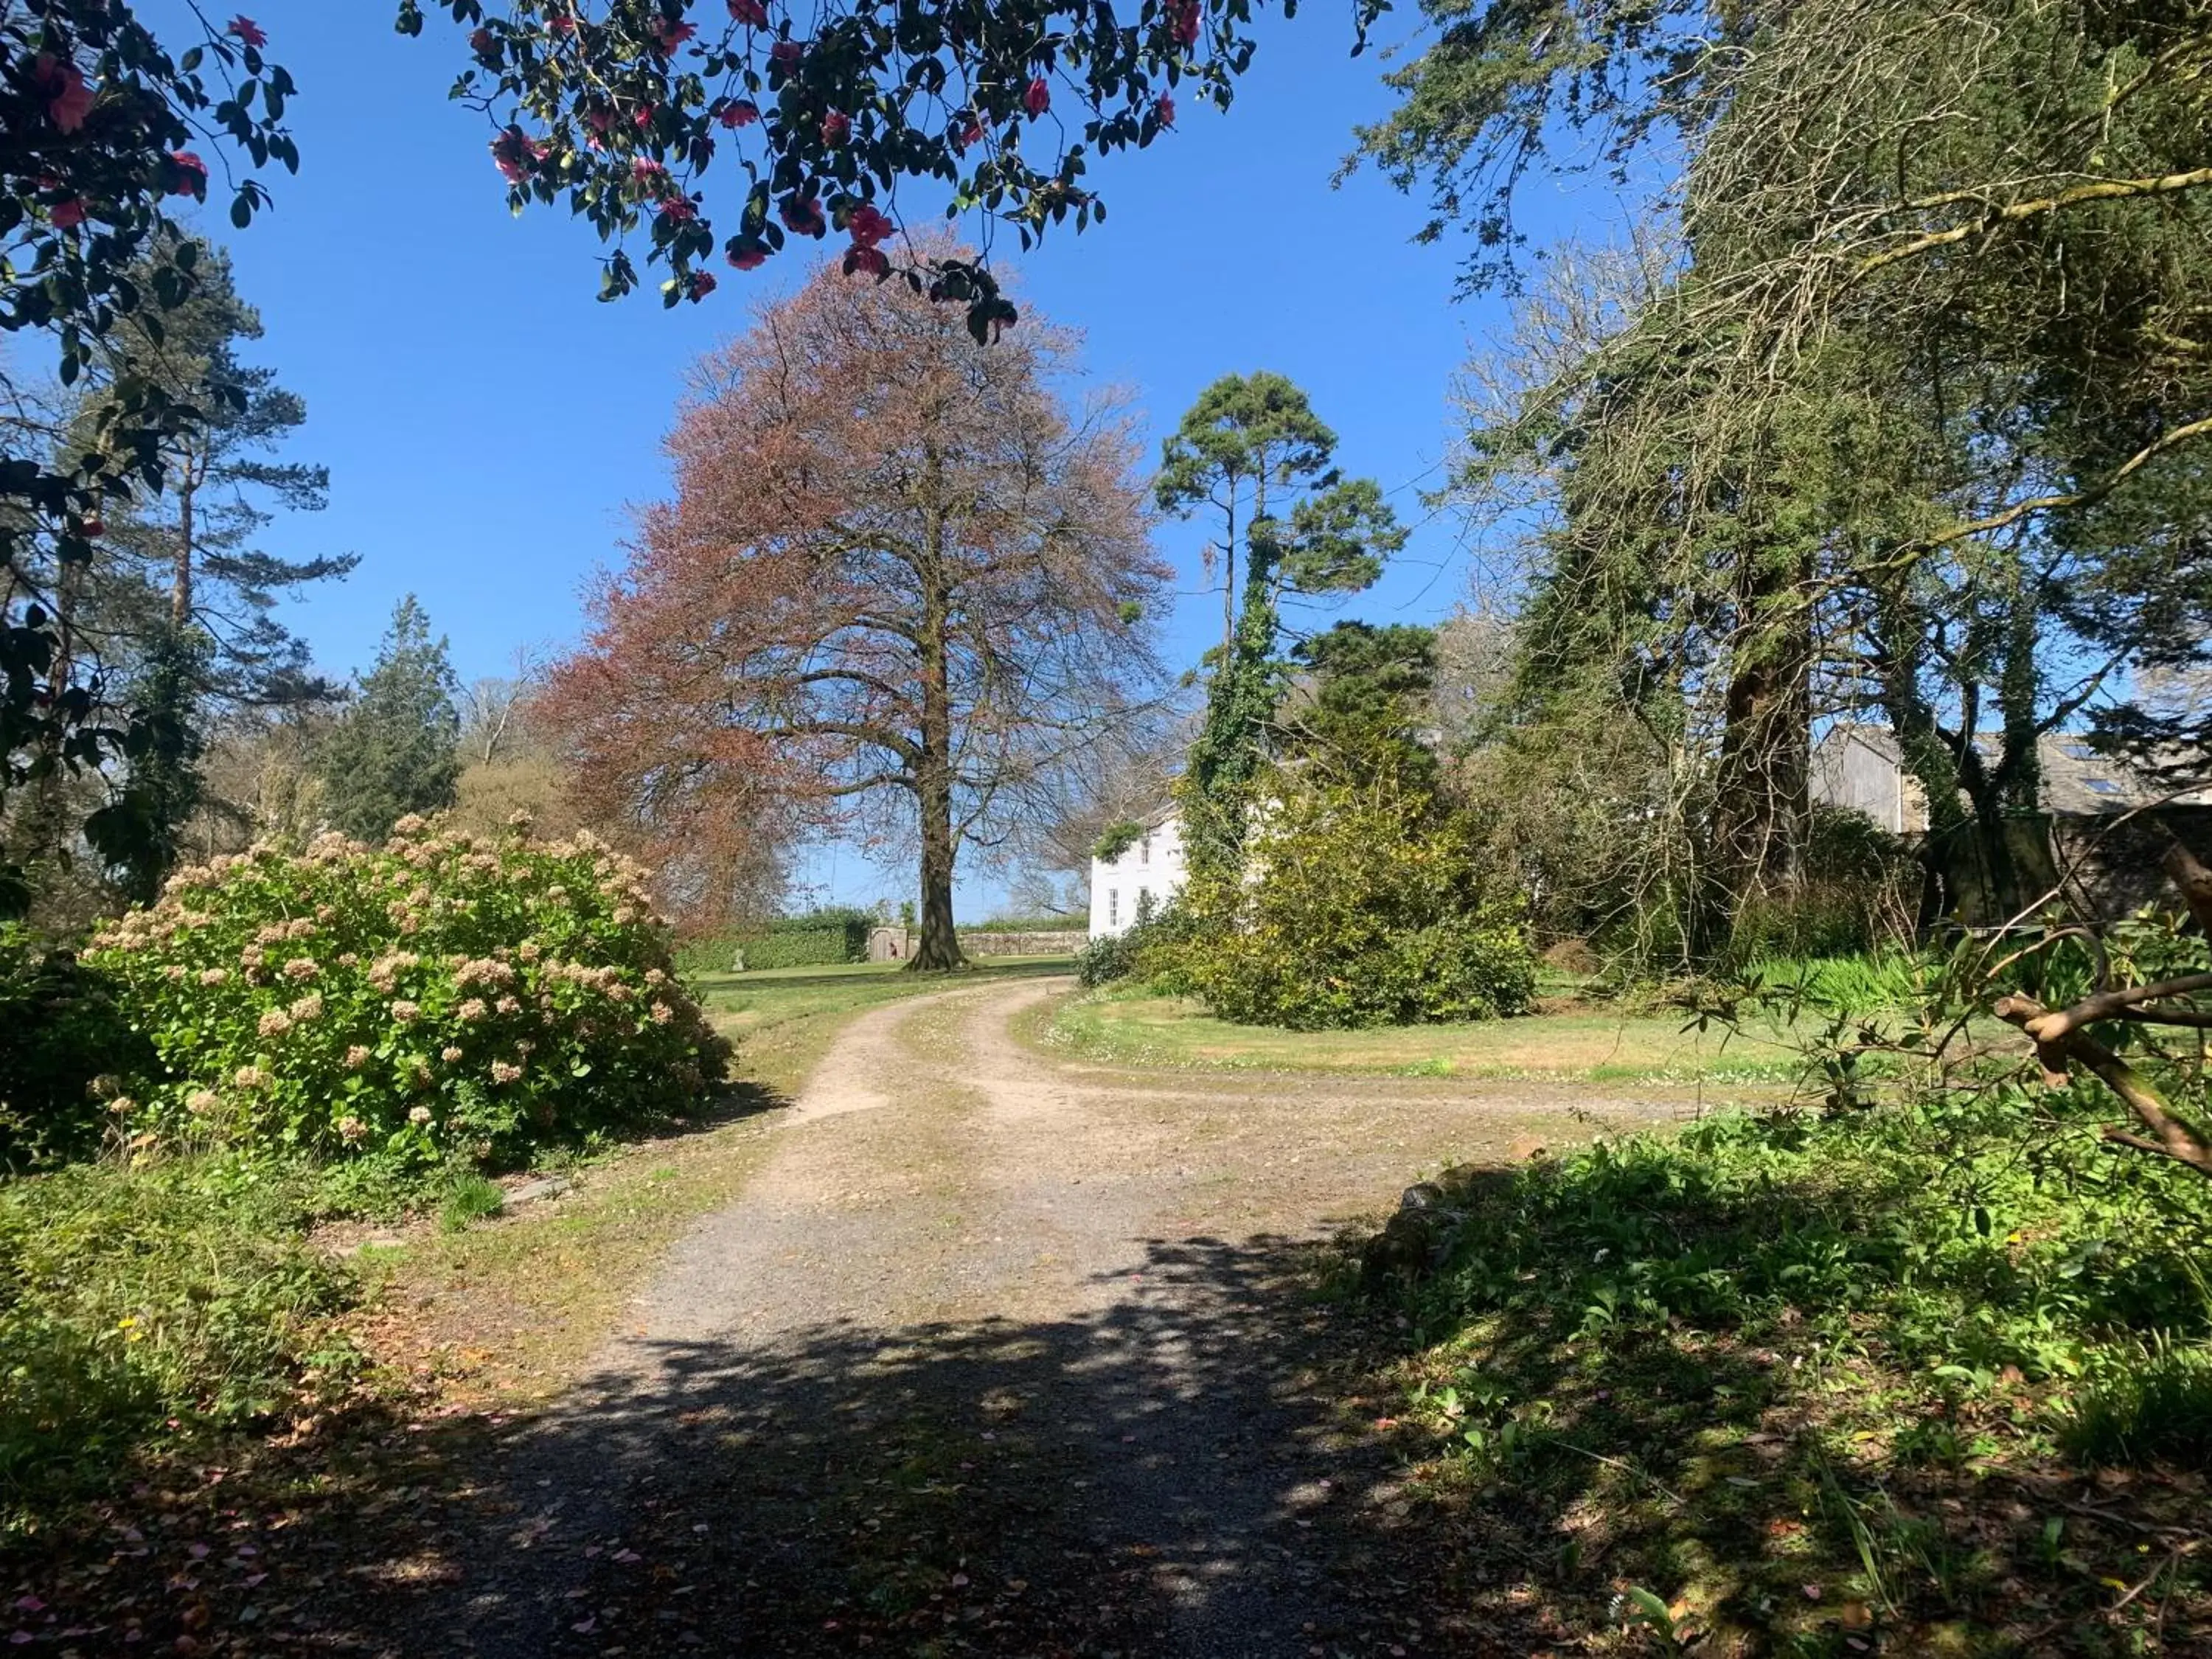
(486, 420)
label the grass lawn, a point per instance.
(782, 1019)
(1566, 1041)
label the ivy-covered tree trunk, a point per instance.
(1762, 796)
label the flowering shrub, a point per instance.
(442, 997)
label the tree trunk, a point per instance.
(180, 579)
(940, 945)
(1762, 792)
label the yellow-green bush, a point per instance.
(442, 997)
(1363, 903)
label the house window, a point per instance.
(1144, 849)
(1113, 907)
(2078, 750)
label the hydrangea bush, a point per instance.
(441, 998)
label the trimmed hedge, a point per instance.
(810, 947)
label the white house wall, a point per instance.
(1152, 866)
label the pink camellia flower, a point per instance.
(69, 99)
(1186, 22)
(1166, 110)
(867, 225)
(1038, 98)
(740, 112)
(750, 13)
(67, 215)
(869, 259)
(749, 258)
(561, 23)
(192, 174)
(643, 118)
(971, 134)
(679, 209)
(803, 217)
(482, 43)
(787, 54)
(249, 31)
(703, 284)
(668, 33)
(647, 171)
(836, 128)
(515, 154)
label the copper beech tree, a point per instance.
(902, 586)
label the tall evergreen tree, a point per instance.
(396, 749)
(1253, 450)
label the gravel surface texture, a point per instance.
(996, 1354)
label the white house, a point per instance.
(1150, 867)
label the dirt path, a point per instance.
(996, 1355)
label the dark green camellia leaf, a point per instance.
(624, 108)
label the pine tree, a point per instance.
(396, 749)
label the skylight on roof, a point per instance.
(2102, 786)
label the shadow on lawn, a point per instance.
(1192, 1467)
(1172, 1473)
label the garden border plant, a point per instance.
(440, 1000)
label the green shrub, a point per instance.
(1145, 948)
(61, 1037)
(183, 1289)
(439, 999)
(1366, 904)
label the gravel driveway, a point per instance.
(996, 1355)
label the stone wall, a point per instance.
(1064, 943)
(891, 944)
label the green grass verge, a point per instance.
(1585, 1044)
(1824, 1386)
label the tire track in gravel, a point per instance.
(996, 1354)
